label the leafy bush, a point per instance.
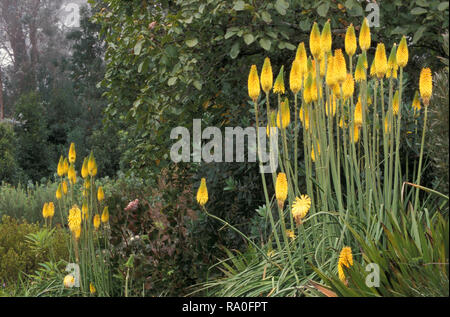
(23, 246)
(8, 163)
(26, 202)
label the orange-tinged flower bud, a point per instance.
(84, 168)
(281, 188)
(72, 153)
(266, 76)
(51, 209)
(92, 165)
(330, 77)
(307, 91)
(325, 38)
(425, 85)
(58, 192)
(202, 193)
(253, 83)
(278, 87)
(402, 53)
(45, 211)
(416, 103)
(66, 166)
(60, 169)
(64, 187)
(380, 61)
(395, 103)
(105, 215)
(100, 193)
(348, 87)
(340, 66)
(314, 41)
(302, 58)
(350, 41)
(295, 77)
(96, 221)
(364, 35)
(358, 119)
(285, 119)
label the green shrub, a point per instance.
(26, 202)
(24, 245)
(8, 163)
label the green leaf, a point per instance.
(443, 6)
(265, 43)
(249, 38)
(266, 17)
(191, 42)
(305, 25)
(418, 10)
(172, 81)
(197, 84)
(322, 10)
(229, 34)
(239, 5)
(419, 34)
(234, 50)
(289, 46)
(281, 6)
(138, 47)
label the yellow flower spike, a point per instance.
(66, 166)
(416, 103)
(45, 211)
(254, 88)
(51, 209)
(84, 211)
(345, 259)
(360, 74)
(358, 120)
(278, 87)
(325, 38)
(340, 66)
(202, 193)
(72, 153)
(281, 189)
(364, 35)
(295, 77)
(58, 193)
(387, 126)
(84, 168)
(313, 156)
(100, 193)
(92, 288)
(307, 92)
(96, 221)
(304, 117)
(69, 281)
(402, 53)
(314, 41)
(60, 169)
(355, 133)
(300, 208)
(92, 165)
(425, 85)
(333, 106)
(337, 91)
(395, 103)
(313, 91)
(74, 221)
(330, 77)
(311, 66)
(392, 62)
(266, 76)
(72, 174)
(290, 234)
(380, 61)
(302, 58)
(64, 187)
(285, 115)
(322, 66)
(350, 41)
(348, 87)
(105, 214)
